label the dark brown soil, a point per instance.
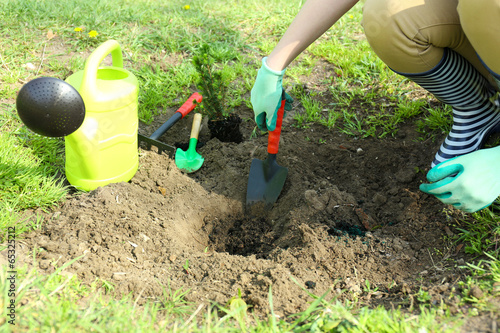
(226, 129)
(350, 212)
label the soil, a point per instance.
(350, 212)
(226, 129)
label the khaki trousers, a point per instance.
(409, 35)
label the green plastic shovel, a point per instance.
(189, 160)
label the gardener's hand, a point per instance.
(266, 97)
(469, 182)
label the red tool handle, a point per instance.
(273, 140)
(189, 105)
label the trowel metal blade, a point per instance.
(265, 182)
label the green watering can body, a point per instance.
(104, 149)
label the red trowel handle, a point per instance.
(189, 105)
(273, 140)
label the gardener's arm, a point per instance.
(313, 19)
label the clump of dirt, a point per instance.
(350, 212)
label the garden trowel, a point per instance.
(266, 178)
(189, 160)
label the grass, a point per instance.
(158, 40)
(28, 164)
(59, 301)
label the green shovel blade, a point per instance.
(189, 160)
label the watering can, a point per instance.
(104, 149)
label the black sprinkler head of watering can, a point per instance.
(50, 107)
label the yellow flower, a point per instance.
(93, 33)
(186, 7)
(351, 16)
(78, 29)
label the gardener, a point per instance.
(449, 47)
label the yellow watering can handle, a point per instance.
(89, 81)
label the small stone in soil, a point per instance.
(310, 284)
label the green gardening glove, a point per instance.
(266, 97)
(469, 182)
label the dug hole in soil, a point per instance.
(350, 212)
